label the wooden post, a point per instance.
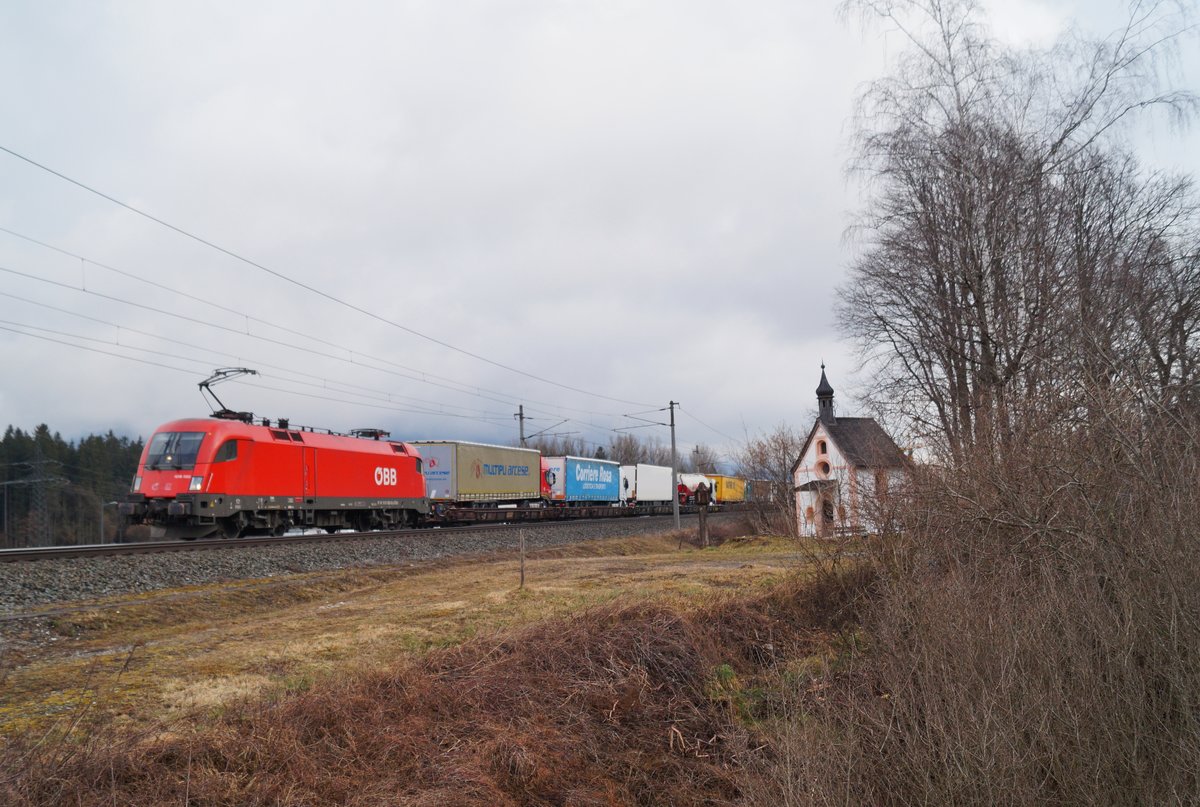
(702, 499)
(522, 558)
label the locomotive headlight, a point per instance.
(197, 483)
(137, 484)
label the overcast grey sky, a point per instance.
(643, 200)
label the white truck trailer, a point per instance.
(646, 484)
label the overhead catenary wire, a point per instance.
(486, 419)
(235, 357)
(313, 395)
(492, 419)
(98, 350)
(260, 337)
(498, 422)
(469, 388)
(711, 428)
(312, 289)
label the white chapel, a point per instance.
(845, 472)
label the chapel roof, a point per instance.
(863, 442)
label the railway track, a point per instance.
(483, 520)
(151, 547)
(100, 573)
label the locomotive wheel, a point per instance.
(230, 527)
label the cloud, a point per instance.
(641, 200)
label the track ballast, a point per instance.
(129, 568)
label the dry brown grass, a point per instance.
(146, 658)
(648, 703)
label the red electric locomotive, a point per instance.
(227, 476)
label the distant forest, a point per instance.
(54, 490)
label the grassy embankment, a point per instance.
(624, 667)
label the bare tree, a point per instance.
(627, 449)
(766, 463)
(702, 460)
(1027, 295)
(1005, 228)
(560, 446)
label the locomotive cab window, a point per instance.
(173, 451)
(227, 451)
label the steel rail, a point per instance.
(177, 545)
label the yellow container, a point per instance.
(729, 489)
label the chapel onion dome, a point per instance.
(824, 389)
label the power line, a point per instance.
(251, 318)
(124, 273)
(307, 287)
(238, 358)
(485, 419)
(711, 428)
(260, 337)
(160, 353)
(481, 417)
(355, 403)
(498, 420)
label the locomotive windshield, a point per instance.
(174, 451)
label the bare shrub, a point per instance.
(1033, 641)
(1028, 301)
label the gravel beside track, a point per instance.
(30, 584)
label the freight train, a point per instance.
(229, 476)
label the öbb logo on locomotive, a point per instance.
(385, 476)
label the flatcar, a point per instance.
(228, 477)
